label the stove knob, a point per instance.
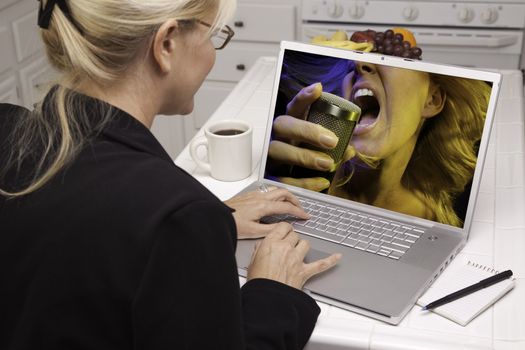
(489, 16)
(356, 11)
(334, 9)
(465, 15)
(410, 13)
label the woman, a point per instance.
(105, 243)
(416, 142)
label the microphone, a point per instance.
(337, 115)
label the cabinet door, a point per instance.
(7, 56)
(36, 80)
(27, 36)
(5, 3)
(169, 130)
(264, 22)
(233, 62)
(8, 91)
(207, 100)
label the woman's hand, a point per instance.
(280, 257)
(250, 207)
(292, 129)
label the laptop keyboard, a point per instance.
(356, 230)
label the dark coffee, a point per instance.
(228, 132)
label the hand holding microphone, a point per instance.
(337, 115)
(313, 147)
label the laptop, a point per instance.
(400, 206)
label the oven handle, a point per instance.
(489, 41)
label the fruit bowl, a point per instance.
(395, 42)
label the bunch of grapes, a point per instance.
(388, 43)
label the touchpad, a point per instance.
(314, 255)
(245, 251)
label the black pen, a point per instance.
(470, 289)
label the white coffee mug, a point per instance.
(229, 147)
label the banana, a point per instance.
(318, 38)
(347, 44)
(339, 35)
(340, 40)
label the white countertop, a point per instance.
(497, 237)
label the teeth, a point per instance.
(363, 92)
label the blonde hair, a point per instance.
(445, 156)
(107, 38)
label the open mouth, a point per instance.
(369, 105)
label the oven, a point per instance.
(476, 33)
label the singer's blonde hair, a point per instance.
(445, 155)
(446, 152)
(114, 35)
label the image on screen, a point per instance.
(394, 138)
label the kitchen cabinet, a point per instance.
(259, 27)
(36, 78)
(24, 69)
(8, 90)
(6, 3)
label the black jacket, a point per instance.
(125, 250)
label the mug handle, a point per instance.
(195, 144)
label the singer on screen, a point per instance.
(413, 150)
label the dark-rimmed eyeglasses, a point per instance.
(220, 37)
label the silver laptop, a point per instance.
(400, 203)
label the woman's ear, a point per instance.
(163, 45)
(435, 101)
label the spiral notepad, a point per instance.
(458, 276)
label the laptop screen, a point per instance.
(395, 138)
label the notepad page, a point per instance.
(459, 276)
